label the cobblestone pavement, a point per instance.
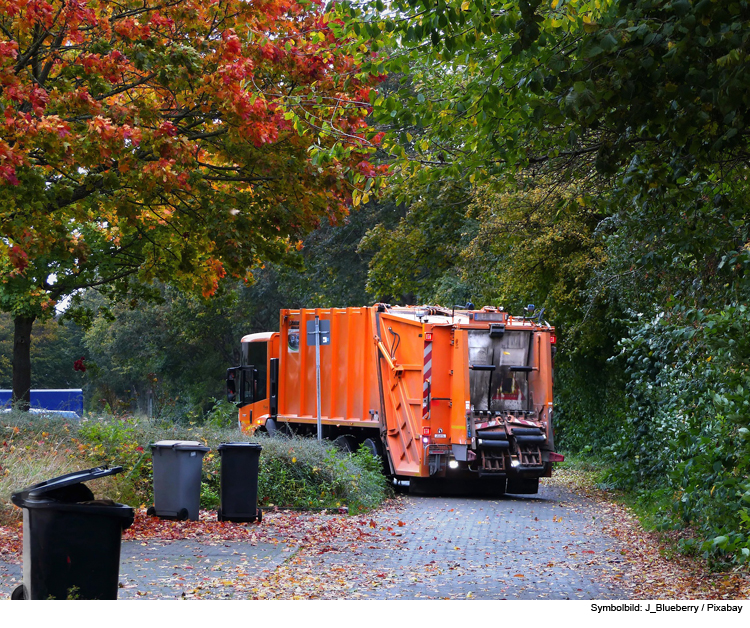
(166, 570)
(546, 546)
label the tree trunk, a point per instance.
(22, 362)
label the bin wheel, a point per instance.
(150, 511)
(19, 593)
(260, 516)
(183, 514)
(219, 516)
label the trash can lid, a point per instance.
(239, 445)
(77, 477)
(192, 445)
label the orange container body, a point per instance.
(348, 379)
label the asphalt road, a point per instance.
(548, 546)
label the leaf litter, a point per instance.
(643, 566)
(648, 567)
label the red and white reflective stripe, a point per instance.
(481, 426)
(524, 422)
(427, 380)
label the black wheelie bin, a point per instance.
(178, 467)
(71, 541)
(239, 482)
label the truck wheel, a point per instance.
(346, 443)
(374, 446)
(271, 427)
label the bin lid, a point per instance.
(239, 445)
(192, 445)
(77, 477)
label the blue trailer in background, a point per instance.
(50, 399)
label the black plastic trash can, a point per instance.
(71, 541)
(178, 467)
(239, 482)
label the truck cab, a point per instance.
(253, 385)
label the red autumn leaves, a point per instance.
(180, 135)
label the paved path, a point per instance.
(533, 547)
(547, 546)
(174, 569)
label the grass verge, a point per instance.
(294, 472)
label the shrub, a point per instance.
(294, 472)
(304, 473)
(688, 435)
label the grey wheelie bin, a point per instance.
(178, 466)
(71, 541)
(239, 482)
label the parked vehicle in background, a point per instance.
(61, 401)
(461, 397)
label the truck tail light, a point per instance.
(428, 336)
(555, 457)
(425, 435)
(552, 339)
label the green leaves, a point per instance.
(642, 108)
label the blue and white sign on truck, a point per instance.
(50, 399)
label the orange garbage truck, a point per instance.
(456, 398)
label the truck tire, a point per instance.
(374, 446)
(346, 443)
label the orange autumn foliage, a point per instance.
(179, 141)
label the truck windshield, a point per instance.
(504, 388)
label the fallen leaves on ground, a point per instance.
(309, 535)
(10, 542)
(329, 555)
(651, 569)
(147, 528)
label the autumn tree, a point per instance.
(178, 140)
